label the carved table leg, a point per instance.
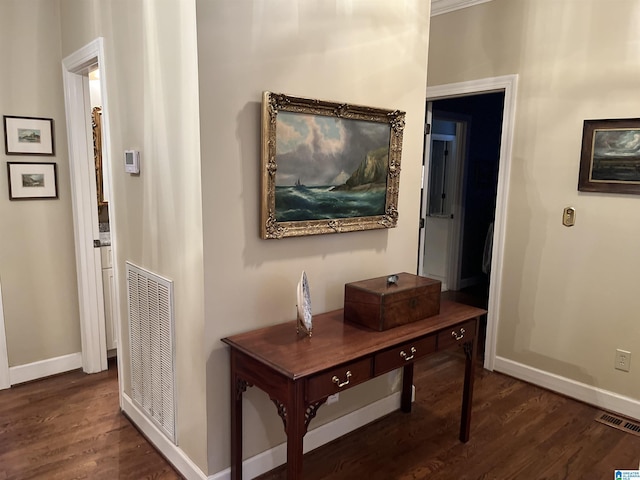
(470, 350)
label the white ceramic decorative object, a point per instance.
(305, 324)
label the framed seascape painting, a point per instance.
(610, 156)
(28, 136)
(29, 181)
(328, 167)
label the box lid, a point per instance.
(406, 285)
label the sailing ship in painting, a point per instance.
(330, 168)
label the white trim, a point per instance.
(438, 7)
(266, 461)
(88, 261)
(426, 164)
(159, 440)
(5, 379)
(456, 225)
(508, 84)
(597, 397)
(45, 368)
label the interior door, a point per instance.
(442, 201)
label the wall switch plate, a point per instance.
(623, 360)
(569, 217)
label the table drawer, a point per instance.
(457, 335)
(399, 356)
(338, 379)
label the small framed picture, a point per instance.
(610, 156)
(30, 181)
(28, 136)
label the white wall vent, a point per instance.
(151, 331)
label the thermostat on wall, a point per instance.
(132, 161)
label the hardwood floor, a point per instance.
(518, 431)
(70, 427)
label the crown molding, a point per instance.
(438, 7)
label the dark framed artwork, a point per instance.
(30, 181)
(610, 156)
(328, 167)
(28, 136)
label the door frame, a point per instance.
(507, 84)
(84, 201)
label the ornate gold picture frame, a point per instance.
(328, 167)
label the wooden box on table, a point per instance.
(380, 304)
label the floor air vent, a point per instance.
(151, 330)
(618, 422)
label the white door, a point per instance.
(442, 201)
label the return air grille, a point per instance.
(151, 333)
(618, 422)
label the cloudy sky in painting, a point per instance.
(616, 143)
(323, 150)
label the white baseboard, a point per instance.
(171, 452)
(263, 462)
(44, 368)
(597, 397)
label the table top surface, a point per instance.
(335, 341)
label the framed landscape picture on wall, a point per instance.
(610, 156)
(28, 135)
(328, 167)
(29, 181)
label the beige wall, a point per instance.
(370, 53)
(37, 258)
(151, 81)
(570, 294)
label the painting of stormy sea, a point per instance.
(616, 156)
(329, 167)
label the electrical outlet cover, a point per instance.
(623, 360)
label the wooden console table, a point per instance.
(299, 373)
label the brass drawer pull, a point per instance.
(336, 380)
(406, 357)
(458, 337)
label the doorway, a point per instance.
(472, 124)
(463, 178)
(87, 195)
(475, 125)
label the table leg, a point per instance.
(407, 388)
(470, 350)
(238, 386)
(295, 431)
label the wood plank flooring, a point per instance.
(518, 431)
(70, 427)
